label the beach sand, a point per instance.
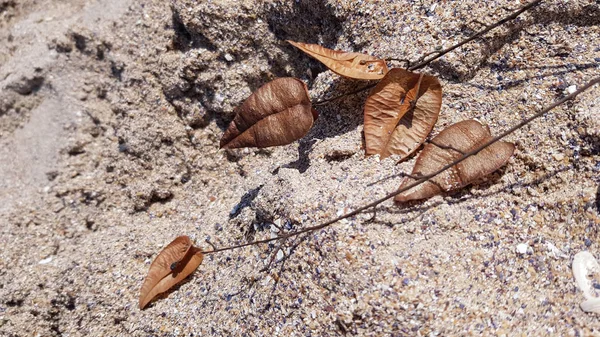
(111, 114)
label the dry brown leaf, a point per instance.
(353, 65)
(278, 113)
(173, 264)
(394, 122)
(451, 144)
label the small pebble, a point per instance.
(571, 89)
(46, 260)
(522, 248)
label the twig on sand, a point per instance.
(423, 61)
(421, 179)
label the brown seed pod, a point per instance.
(451, 144)
(172, 265)
(400, 112)
(354, 65)
(278, 113)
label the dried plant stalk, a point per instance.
(354, 65)
(278, 113)
(400, 112)
(452, 143)
(426, 178)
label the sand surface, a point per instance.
(110, 118)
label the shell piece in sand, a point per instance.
(584, 264)
(592, 305)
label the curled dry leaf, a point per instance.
(278, 113)
(400, 113)
(172, 265)
(354, 65)
(451, 144)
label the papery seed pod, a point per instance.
(400, 112)
(353, 65)
(278, 113)
(173, 264)
(451, 144)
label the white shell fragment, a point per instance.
(592, 305)
(585, 264)
(46, 260)
(522, 248)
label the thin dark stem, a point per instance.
(423, 62)
(422, 179)
(327, 100)
(401, 174)
(476, 35)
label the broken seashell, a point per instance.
(585, 264)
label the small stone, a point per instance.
(51, 175)
(532, 192)
(558, 156)
(25, 85)
(557, 253)
(46, 260)
(522, 248)
(82, 96)
(571, 89)
(228, 57)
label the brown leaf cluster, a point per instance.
(399, 114)
(172, 265)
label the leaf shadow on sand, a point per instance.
(461, 196)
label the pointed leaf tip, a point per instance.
(172, 265)
(451, 144)
(278, 113)
(354, 65)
